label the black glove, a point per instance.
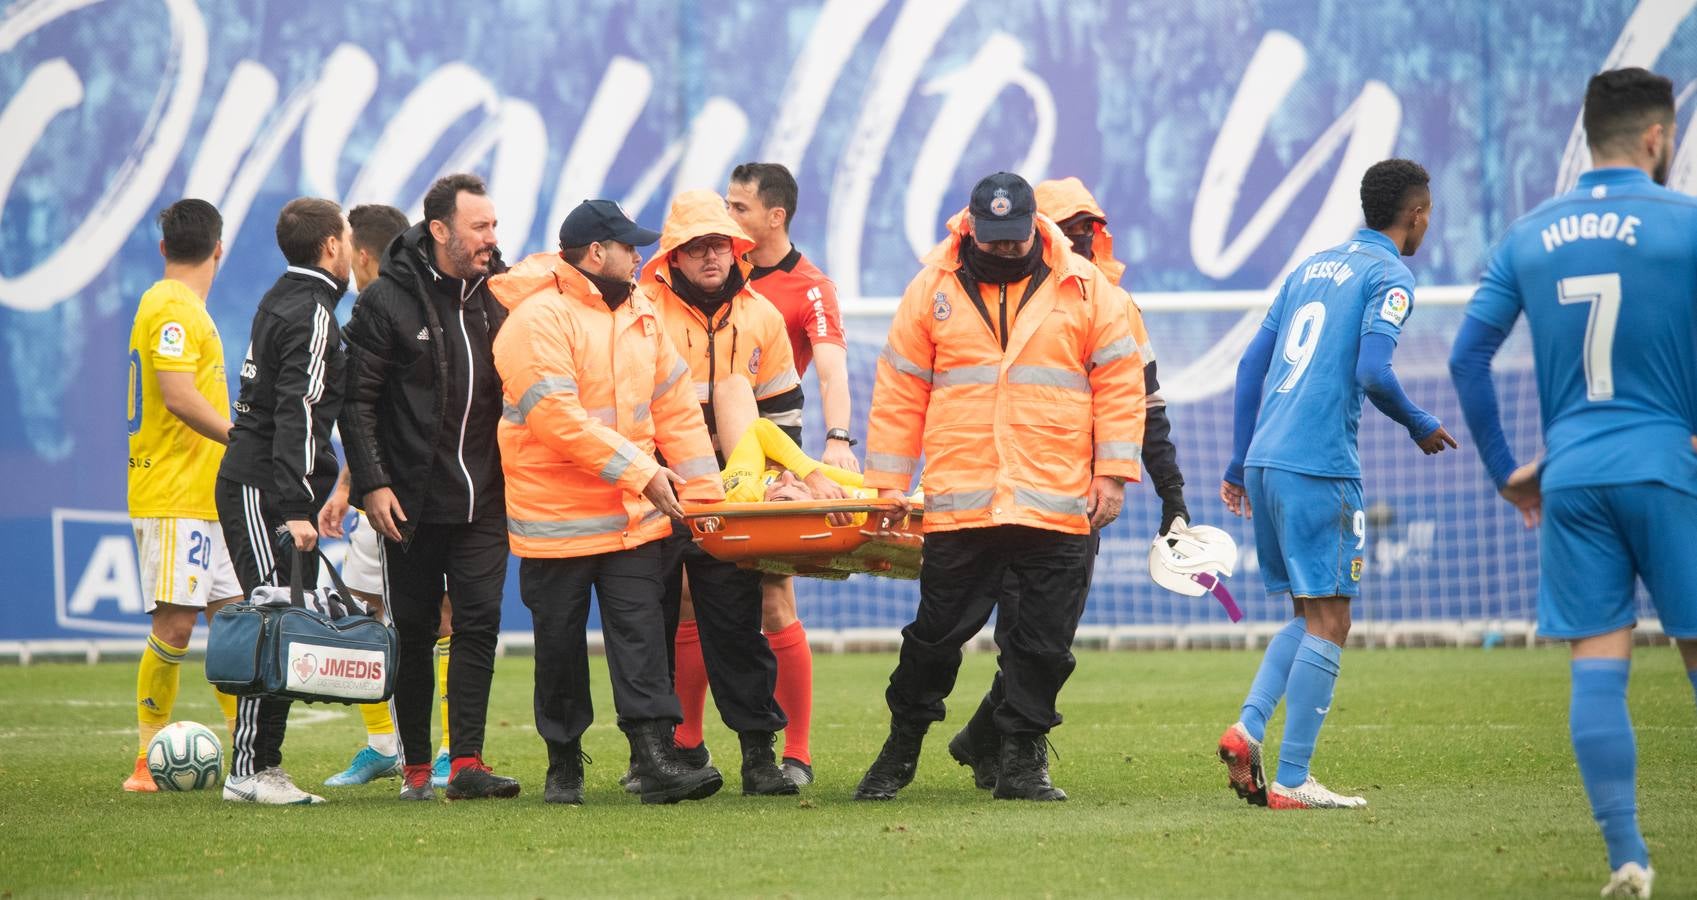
(1172, 509)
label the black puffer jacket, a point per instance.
(396, 413)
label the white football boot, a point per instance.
(1630, 880)
(270, 786)
(1310, 794)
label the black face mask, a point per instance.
(1084, 244)
(988, 268)
(707, 301)
(614, 291)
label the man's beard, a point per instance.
(464, 257)
(1659, 172)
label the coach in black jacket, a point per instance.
(419, 425)
(280, 467)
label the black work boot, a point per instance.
(895, 765)
(761, 776)
(978, 746)
(696, 757)
(1025, 769)
(663, 777)
(565, 773)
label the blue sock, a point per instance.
(1692, 674)
(1608, 755)
(1269, 683)
(1308, 697)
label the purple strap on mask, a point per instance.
(1218, 589)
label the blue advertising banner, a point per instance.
(1225, 138)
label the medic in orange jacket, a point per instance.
(1068, 203)
(1062, 199)
(730, 331)
(1005, 433)
(588, 394)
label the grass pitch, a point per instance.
(1462, 753)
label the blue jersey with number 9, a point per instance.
(1311, 402)
(1607, 277)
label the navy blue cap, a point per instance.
(600, 221)
(1002, 208)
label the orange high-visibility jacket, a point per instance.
(1062, 198)
(1009, 437)
(588, 393)
(746, 337)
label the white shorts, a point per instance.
(183, 563)
(362, 569)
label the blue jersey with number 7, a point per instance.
(1606, 275)
(1311, 401)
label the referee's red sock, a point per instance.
(691, 685)
(794, 691)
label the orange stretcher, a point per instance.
(797, 538)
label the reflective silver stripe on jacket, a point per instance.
(949, 378)
(679, 370)
(569, 528)
(904, 365)
(959, 501)
(782, 382)
(789, 418)
(696, 467)
(1120, 451)
(892, 462)
(1047, 502)
(536, 393)
(623, 456)
(1113, 352)
(1049, 376)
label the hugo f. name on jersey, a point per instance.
(1312, 403)
(1607, 277)
(172, 467)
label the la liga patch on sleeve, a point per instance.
(1395, 308)
(172, 337)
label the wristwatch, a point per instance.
(840, 434)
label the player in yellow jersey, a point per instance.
(766, 464)
(179, 422)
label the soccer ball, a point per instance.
(185, 756)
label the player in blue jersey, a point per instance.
(1326, 342)
(1606, 275)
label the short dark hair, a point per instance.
(773, 183)
(1385, 188)
(1621, 103)
(443, 198)
(574, 255)
(375, 225)
(191, 229)
(304, 225)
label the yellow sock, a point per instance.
(442, 645)
(227, 704)
(379, 727)
(156, 688)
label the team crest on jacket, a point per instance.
(754, 362)
(940, 306)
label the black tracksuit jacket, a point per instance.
(291, 393)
